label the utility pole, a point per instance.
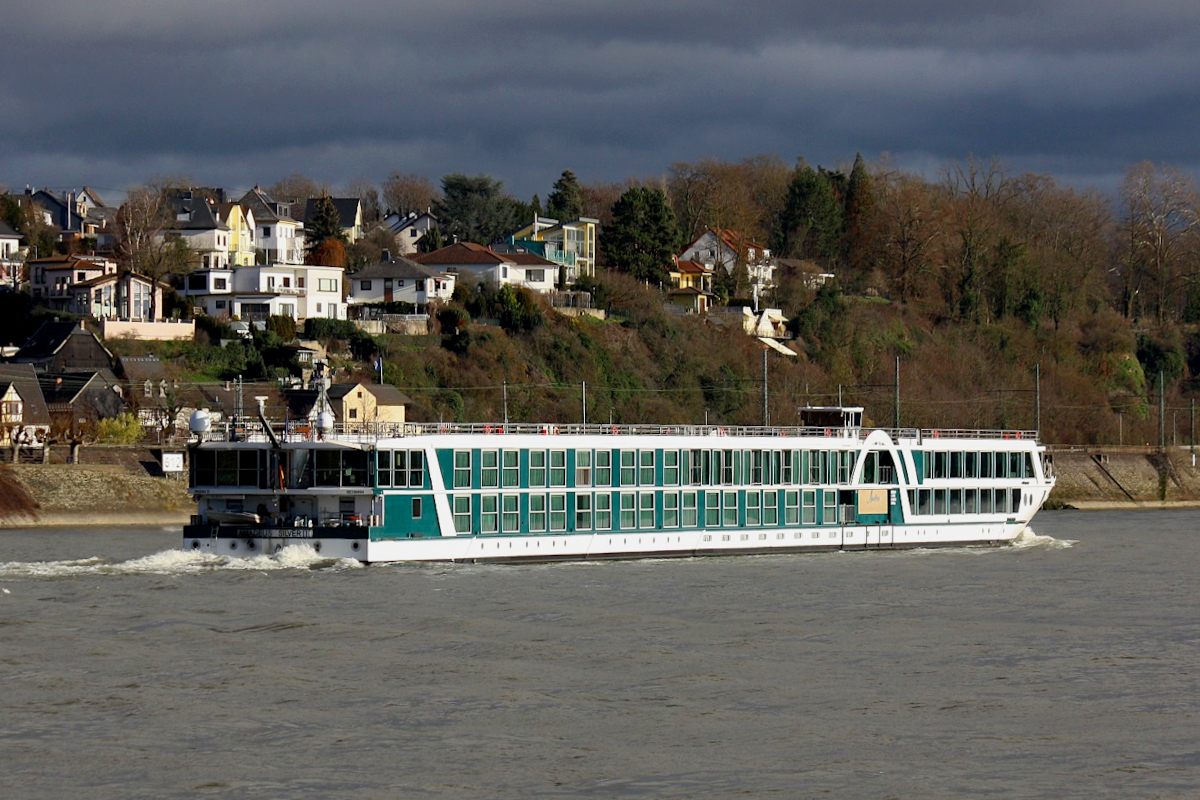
(766, 419)
(1162, 413)
(1037, 399)
(585, 402)
(504, 391)
(896, 419)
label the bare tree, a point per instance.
(295, 188)
(1160, 228)
(146, 241)
(368, 195)
(405, 192)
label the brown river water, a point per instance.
(1067, 666)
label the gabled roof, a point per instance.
(397, 267)
(462, 253)
(265, 209)
(730, 238)
(692, 268)
(7, 232)
(347, 208)
(138, 369)
(113, 277)
(197, 215)
(396, 223)
(529, 260)
(68, 386)
(49, 339)
(69, 262)
(25, 379)
(385, 394)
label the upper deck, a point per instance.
(366, 434)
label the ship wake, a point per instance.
(179, 562)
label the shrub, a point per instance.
(122, 429)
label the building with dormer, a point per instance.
(254, 293)
(279, 233)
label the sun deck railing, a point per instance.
(367, 432)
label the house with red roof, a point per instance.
(472, 262)
(728, 249)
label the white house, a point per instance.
(280, 235)
(571, 244)
(52, 279)
(409, 229)
(469, 261)
(397, 279)
(197, 223)
(10, 261)
(729, 249)
(257, 292)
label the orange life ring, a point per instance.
(487, 428)
(828, 432)
(936, 434)
(614, 430)
(1018, 434)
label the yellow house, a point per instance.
(240, 221)
(362, 402)
(571, 245)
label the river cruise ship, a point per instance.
(525, 492)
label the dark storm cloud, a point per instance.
(233, 93)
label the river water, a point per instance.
(1064, 667)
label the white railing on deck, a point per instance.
(361, 432)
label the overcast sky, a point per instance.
(110, 93)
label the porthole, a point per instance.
(233, 545)
(354, 546)
(249, 544)
(195, 544)
(317, 546)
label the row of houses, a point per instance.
(63, 380)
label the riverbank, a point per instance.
(93, 494)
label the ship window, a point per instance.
(1015, 462)
(383, 468)
(987, 503)
(1001, 463)
(770, 508)
(810, 508)
(558, 512)
(729, 509)
(354, 467)
(956, 501)
(488, 515)
(972, 502)
(646, 473)
(328, 466)
(628, 467)
(940, 464)
(787, 473)
(972, 465)
(727, 469)
(939, 501)
(985, 465)
(583, 512)
(416, 508)
(558, 468)
(756, 467)
(697, 468)
(925, 501)
(583, 469)
(462, 469)
(537, 468)
(489, 469)
(512, 513)
(670, 467)
(670, 509)
(791, 508)
(603, 511)
(1028, 473)
(628, 511)
(830, 517)
(512, 468)
(416, 469)
(604, 468)
(462, 513)
(400, 462)
(689, 510)
(956, 465)
(712, 509)
(646, 510)
(754, 508)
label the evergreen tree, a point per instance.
(432, 240)
(643, 235)
(859, 205)
(323, 225)
(565, 203)
(475, 208)
(811, 222)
